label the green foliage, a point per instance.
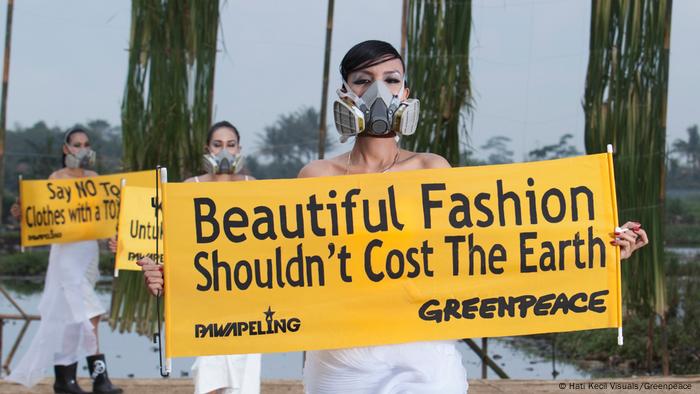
(684, 161)
(106, 140)
(287, 145)
(683, 234)
(683, 324)
(132, 307)
(29, 263)
(683, 211)
(166, 113)
(555, 151)
(625, 105)
(166, 110)
(26, 286)
(497, 149)
(689, 149)
(35, 261)
(438, 74)
(468, 158)
(35, 152)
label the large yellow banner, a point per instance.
(137, 228)
(69, 210)
(332, 262)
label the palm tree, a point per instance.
(165, 113)
(690, 148)
(625, 104)
(438, 73)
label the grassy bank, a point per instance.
(598, 352)
(35, 261)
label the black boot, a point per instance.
(98, 371)
(65, 380)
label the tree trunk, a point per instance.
(650, 343)
(665, 364)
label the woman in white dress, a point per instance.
(230, 374)
(69, 308)
(374, 83)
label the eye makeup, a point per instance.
(229, 144)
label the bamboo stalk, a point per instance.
(166, 113)
(438, 73)
(3, 105)
(625, 104)
(324, 89)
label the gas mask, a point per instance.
(376, 112)
(84, 158)
(223, 162)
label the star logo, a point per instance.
(268, 314)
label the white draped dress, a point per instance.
(69, 301)
(232, 374)
(417, 368)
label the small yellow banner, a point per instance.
(69, 210)
(333, 262)
(137, 228)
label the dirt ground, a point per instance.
(675, 384)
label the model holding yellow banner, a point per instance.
(223, 373)
(65, 209)
(381, 261)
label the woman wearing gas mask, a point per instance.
(232, 374)
(69, 307)
(373, 106)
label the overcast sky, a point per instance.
(528, 60)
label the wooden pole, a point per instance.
(473, 346)
(404, 31)
(3, 104)
(324, 91)
(484, 366)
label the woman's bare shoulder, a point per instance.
(426, 160)
(435, 161)
(197, 178)
(59, 174)
(63, 174)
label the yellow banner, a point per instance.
(69, 210)
(333, 262)
(137, 228)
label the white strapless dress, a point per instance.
(419, 367)
(67, 304)
(232, 374)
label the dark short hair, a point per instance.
(367, 54)
(218, 125)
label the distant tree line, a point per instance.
(684, 161)
(287, 145)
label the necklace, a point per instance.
(396, 158)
